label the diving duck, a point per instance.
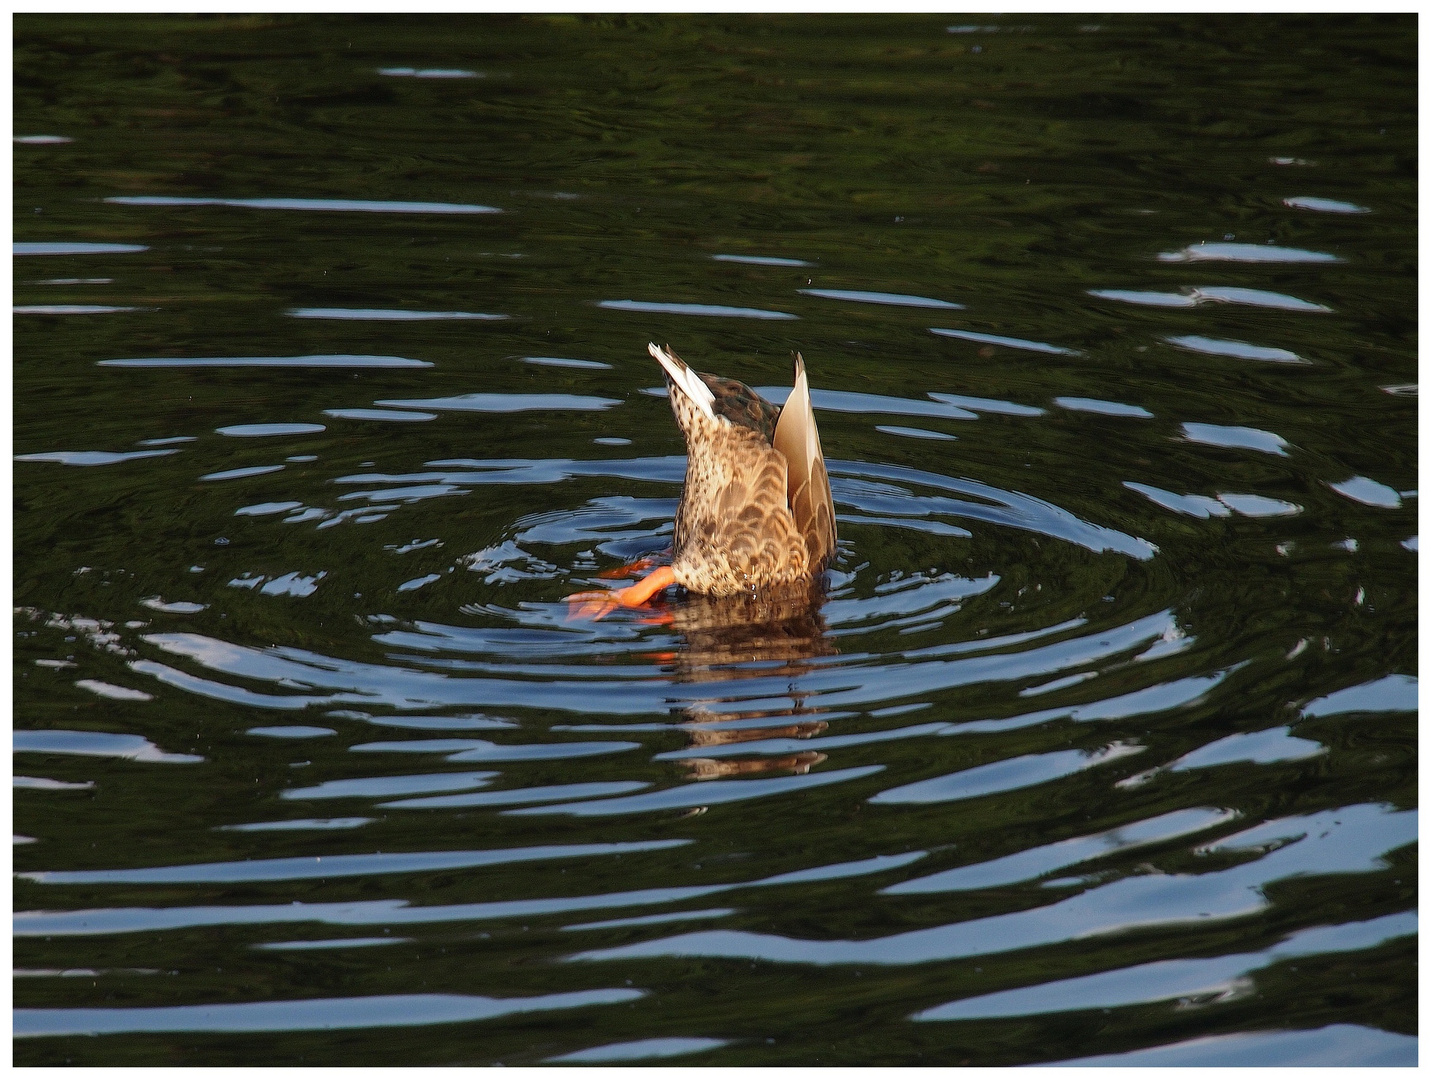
(755, 513)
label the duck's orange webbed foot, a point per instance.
(597, 605)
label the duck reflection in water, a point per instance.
(729, 640)
(754, 532)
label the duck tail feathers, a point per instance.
(681, 378)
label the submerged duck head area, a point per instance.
(1092, 742)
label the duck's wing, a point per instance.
(798, 440)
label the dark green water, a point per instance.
(1103, 741)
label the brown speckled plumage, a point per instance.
(756, 512)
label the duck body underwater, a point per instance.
(756, 513)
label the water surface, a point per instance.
(331, 383)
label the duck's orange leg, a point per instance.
(631, 569)
(595, 605)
